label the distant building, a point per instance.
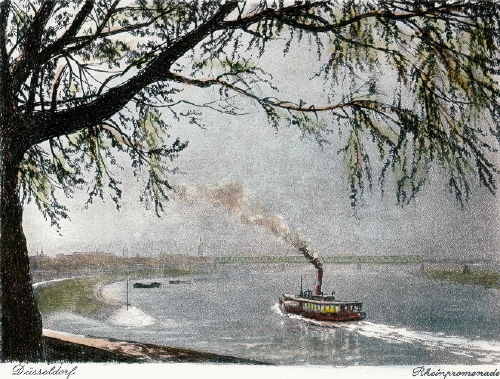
(39, 253)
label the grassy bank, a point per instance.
(72, 295)
(479, 277)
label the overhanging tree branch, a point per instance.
(47, 125)
(32, 43)
(273, 102)
(22, 70)
(85, 40)
(289, 15)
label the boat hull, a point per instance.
(333, 311)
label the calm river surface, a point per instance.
(234, 311)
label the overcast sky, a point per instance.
(290, 176)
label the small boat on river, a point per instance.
(147, 285)
(321, 307)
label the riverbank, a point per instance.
(65, 347)
(466, 276)
(85, 296)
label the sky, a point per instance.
(287, 175)
(284, 173)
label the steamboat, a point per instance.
(318, 306)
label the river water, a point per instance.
(234, 311)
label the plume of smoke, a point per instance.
(232, 196)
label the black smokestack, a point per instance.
(317, 264)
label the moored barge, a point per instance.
(147, 285)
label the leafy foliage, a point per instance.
(408, 85)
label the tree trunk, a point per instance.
(21, 320)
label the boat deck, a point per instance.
(319, 300)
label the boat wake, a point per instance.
(484, 351)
